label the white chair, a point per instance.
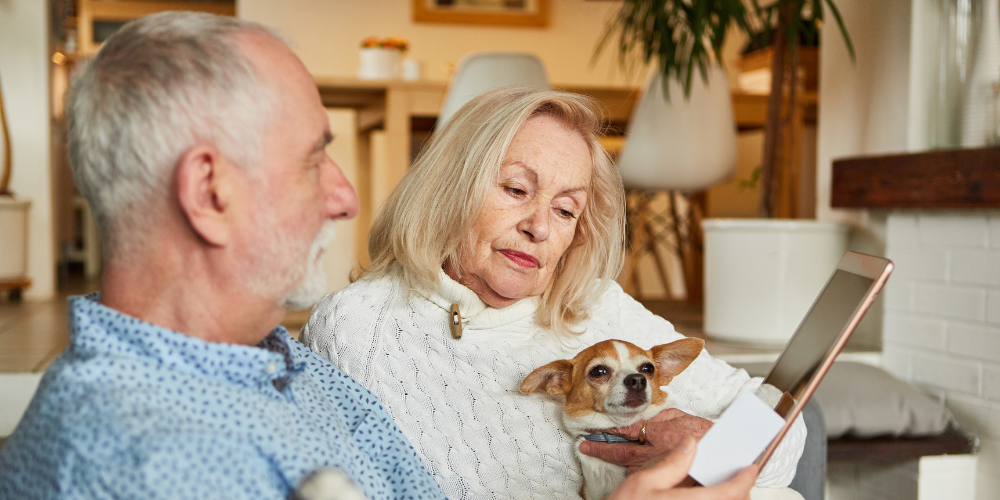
(681, 146)
(484, 71)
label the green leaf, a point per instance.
(843, 29)
(681, 35)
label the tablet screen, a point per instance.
(819, 331)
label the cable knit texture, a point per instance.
(458, 402)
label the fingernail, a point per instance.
(584, 447)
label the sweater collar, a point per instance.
(476, 315)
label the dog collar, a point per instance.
(607, 438)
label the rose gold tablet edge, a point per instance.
(830, 358)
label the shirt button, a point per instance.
(271, 367)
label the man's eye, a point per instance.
(647, 368)
(598, 371)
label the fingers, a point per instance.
(665, 480)
(673, 468)
(632, 431)
(618, 453)
(736, 488)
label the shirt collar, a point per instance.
(475, 313)
(96, 329)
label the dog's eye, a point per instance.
(598, 371)
(647, 368)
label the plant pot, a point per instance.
(762, 275)
(378, 63)
(14, 235)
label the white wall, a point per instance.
(342, 151)
(864, 109)
(24, 70)
(863, 105)
(328, 35)
(942, 325)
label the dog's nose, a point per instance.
(635, 382)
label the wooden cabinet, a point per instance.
(91, 13)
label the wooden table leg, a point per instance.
(694, 251)
(364, 191)
(397, 132)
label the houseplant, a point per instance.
(683, 38)
(686, 37)
(784, 23)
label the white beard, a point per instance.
(312, 286)
(295, 285)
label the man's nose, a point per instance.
(341, 200)
(536, 223)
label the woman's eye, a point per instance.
(598, 371)
(565, 214)
(517, 192)
(647, 368)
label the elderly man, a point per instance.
(199, 142)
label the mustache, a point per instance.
(325, 236)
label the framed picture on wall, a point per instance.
(532, 13)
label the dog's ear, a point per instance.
(555, 378)
(673, 358)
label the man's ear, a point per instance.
(673, 358)
(555, 378)
(205, 189)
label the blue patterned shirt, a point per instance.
(133, 410)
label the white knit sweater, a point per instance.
(458, 402)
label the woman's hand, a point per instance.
(664, 432)
(662, 478)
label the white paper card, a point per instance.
(735, 440)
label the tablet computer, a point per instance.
(749, 425)
(822, 334)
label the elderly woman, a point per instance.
(514, 214)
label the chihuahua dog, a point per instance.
(610, 384)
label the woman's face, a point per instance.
(530, 214)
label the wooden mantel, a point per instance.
(956, 178)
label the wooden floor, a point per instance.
(33, 333)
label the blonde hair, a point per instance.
(425, 220)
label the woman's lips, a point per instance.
(520, 258)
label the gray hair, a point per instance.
(425, 220)
(161, 85)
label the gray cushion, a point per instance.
(865, 401)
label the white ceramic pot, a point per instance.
(762, 275)
(13, 237)
(378, 63)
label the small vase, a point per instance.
(979, 124)
(958, 28)
(378, 63)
